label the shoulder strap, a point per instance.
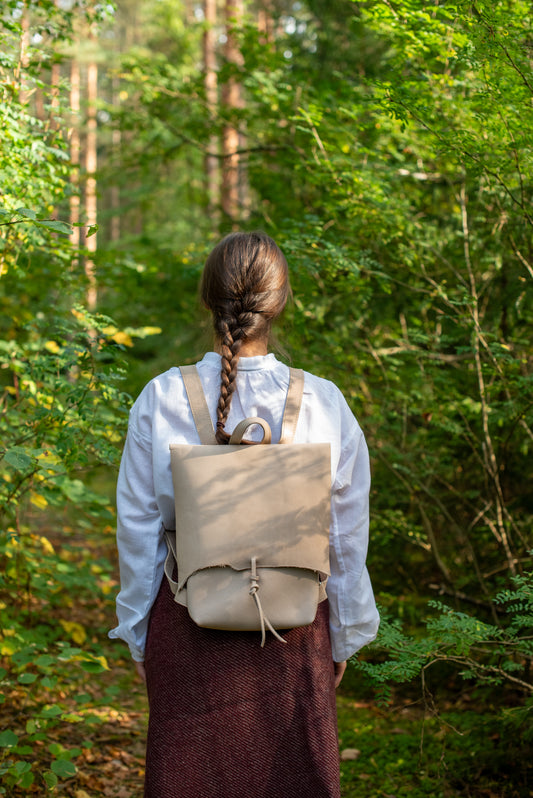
(197, 401)
(202, 417)
(292, 405)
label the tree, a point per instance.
(60, 403)
(211, 96)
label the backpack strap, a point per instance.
(202, 417)
(292, 405)
(198, 403)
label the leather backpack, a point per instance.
(252, 522)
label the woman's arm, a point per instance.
(140, 542)
(354, 619)
(339, 668)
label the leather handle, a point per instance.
(242, 426)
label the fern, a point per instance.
(480, 651)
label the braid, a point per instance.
(231, 337)
(245, 285)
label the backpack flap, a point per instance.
(235, 504)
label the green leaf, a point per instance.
(26, 213)
(74, 489)
(27, 678)
(18, 459)
(24, 750)
(45, 660)
(72, 717)
(53, 224)
(92, 230)
(92, 666)
(26, 780)
(51, 712)
(24, 656)
(64, 768)
(50, 779)
(8, 739)
(68, 651)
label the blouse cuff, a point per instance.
(342, 651)
(137, 653)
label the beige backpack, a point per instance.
(252, 522)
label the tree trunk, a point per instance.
(116, 138)
(22, 65)
(75, 151)
(54, 95)
(211, 92)
(265, 22)
(90, 184)
(231, 101)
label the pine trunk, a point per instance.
(114, 232)
(90, 184)
(75, 150)
(231, 101)
(211, 91)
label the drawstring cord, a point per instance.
(254, 592)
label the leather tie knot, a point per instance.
(254, 592)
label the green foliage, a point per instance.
(61, 414)
(32, 681)
(495, 654)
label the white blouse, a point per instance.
(145, 501)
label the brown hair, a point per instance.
(245, 285)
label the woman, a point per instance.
(228, 718)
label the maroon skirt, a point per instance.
(229, 719)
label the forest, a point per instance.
(387, 146)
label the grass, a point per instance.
(466, 745)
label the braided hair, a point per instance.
(245, 285)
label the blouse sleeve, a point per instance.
(140, 542)
(354, 619)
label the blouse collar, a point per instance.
(254, 363)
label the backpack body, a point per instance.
(252, 522)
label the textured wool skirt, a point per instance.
(229, 719)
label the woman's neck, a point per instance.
(251, 348)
